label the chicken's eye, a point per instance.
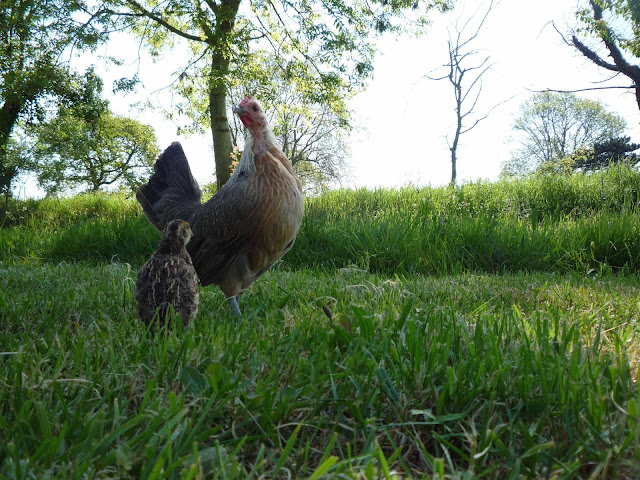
(255, 108)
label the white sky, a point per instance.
(402, 118)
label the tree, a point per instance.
(624, 39)
(314, 142)
(323, 47)
(460, 69)
(552, 126)
(603, 154)
(33, 37)
(92, 150)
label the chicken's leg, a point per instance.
(235, 308)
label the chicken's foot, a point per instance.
(235, 308)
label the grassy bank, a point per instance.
(557, 223)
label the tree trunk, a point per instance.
(222, 141)
(456, 138)
(454, 160)
(8, 117)
(454, 173)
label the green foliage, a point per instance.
(602, 155)
(11, 164)
(624, 15)
(92, 149)
(34, 37)
(547, 223)
(324, 49)
(616, 24)
(552, 126)
(95, 227)
(336, 372)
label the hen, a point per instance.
(248, 225)
(168, 279)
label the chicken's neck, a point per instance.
(257, 143)
(260, 139)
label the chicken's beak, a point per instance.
(239, 110)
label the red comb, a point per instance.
(246, 100)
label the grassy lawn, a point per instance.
(333, 373)
(485, 331)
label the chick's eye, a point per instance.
(255, 108)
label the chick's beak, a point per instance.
(239, 110)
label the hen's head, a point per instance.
(177, 231)
(250, 113)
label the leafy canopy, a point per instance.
(616, 24)
(86, 146)
(623, 14)
(37, 38)
(603, 154)
(323, 48)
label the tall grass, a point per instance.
(577, 223)
(558, 223)
(89, 227)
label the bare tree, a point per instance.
(465, 65)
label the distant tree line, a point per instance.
(561, 132)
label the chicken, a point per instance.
(248, 225)
(168, 278)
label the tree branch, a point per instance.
(142, 12)
(623, 66)
(580, 89)
(620, 63)
(593, 56)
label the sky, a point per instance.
(402, 119)
(409, 116)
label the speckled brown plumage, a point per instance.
(169, 278)
(248, 225)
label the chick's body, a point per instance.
(168, 279)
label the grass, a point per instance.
(557, 223)
(487, 331)
(92, 227)
(516, 376)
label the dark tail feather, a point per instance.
(171, 192)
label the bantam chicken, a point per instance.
(248, 225)
(168, 279)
